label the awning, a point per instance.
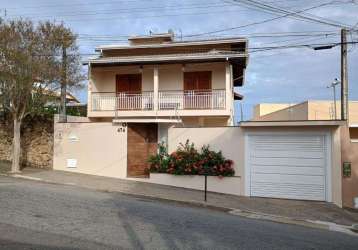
(146, 120)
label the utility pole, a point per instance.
(63, 117)
(344, 76)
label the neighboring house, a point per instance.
(155, 82)
(308, 110)
(55, 97)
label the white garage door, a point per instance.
(291, 166)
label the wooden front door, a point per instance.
(129, 89)
(197, 89)
(142, 143)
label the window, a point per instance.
(353, 133)
(200, 80)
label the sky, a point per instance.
(279, 75)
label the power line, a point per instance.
(129, 10)
(279, 10)
(268, 35)
(257, 49)
(249, 35)
(152, 16)
(291, 46)
(258, 22)
(80, 4)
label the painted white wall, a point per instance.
(230, 140)
(98, 148)
(226, 185)
(101, 149)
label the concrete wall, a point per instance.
(97, 148)
(101, 149)
(231, 141)
(227, 185)
(349, 154)
(267, 108)
(297, 112)
(309, 110)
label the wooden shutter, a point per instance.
(200, 80)
(129, 83)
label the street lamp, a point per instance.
(333, 86)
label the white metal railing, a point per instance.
(196, 99)
(129, 101)
(167, 100)
(103, 101)
(108, 101)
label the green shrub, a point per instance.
(187, 160)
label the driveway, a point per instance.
(35, 215)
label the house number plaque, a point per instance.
(347, 169)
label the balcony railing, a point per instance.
(110, 101)
(167, 100)
(197, 99)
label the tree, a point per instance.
(62, 42)
(30, 68)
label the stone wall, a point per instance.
(36, 142)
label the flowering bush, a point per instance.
(186, 160)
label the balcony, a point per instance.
(166, 100)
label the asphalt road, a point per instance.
(36, 215)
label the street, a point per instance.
(36, 215)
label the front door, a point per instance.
(128, 89)
(197, 90)
(142, 143)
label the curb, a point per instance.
(233, 211)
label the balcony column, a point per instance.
(229, 100)
(156, 89)
(89, 90)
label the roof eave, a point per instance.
(168, 59)
(171, 44)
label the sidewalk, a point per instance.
(302, 211)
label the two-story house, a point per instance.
(155, 82)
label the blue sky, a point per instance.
(290, 75)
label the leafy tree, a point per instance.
(31, 68)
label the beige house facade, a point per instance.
(155, 82)
(171, 82)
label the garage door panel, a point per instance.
(288, 153)
(302, 170)
(287, 178)
(288, 161)
(300, 139)
(289, 191)
(288, 166)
